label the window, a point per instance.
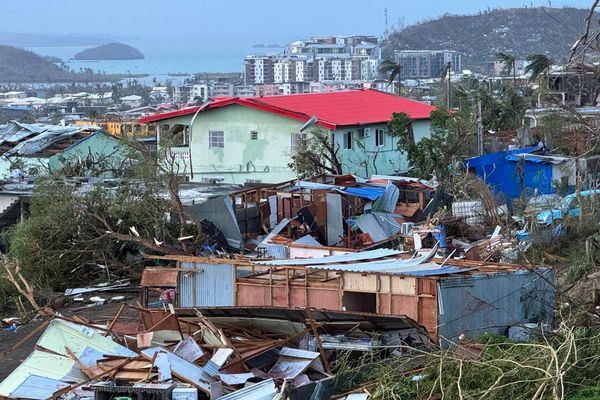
(362, 133)
(379, 137)
(347, 140)
(253, 135)
(297, 139)
(216, 140)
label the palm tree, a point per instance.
(510, 64)
(393, 69)
(445, 74)
(538, 64)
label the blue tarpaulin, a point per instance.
(371, 193)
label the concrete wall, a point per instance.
(382, 160)
(266, 158)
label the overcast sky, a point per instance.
(264, 19)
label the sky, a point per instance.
(274, 21)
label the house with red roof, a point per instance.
(243, 140)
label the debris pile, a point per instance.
(216, 353)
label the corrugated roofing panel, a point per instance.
(264, 390)
(369, 224)
(278, 251)
(370, 193)
(307, 240)
(52, 367)
(209, 285)
(349, 257)
(390, 198)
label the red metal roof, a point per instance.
(351, 107)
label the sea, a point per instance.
(171, 59)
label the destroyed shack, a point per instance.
(338, 211)
(449, 297)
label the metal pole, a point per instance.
(479, 128)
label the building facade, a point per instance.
(241, 140)
(425, 64)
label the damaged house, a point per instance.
(448, 297)
(35, 149)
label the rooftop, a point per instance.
(335, 109)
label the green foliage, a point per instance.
(316, 155)
(451, 137)
(552, 127)
(563, 364)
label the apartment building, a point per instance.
(329, 58)
(258, 69)
(425, 64)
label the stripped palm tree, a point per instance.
(510, 64)
(445, 74)
(538, 64)
(393, 69)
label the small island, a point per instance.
(110, 51)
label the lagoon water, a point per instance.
(165, 55)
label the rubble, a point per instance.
(225, 353)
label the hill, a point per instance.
(110, 51)
(480, 37)
(18, 65)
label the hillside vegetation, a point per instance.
(110, 51)
(520, 31)
(18, 65)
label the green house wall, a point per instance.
(266, 159)
(99, 144)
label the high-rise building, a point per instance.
(425, 64)
(329, 58)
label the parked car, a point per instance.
(568, 208)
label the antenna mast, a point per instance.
(386, 32)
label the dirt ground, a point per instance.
(9, 360)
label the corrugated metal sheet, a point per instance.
(212, 286)
(264, 390)
(390, 198)
(389, 223)
(37, 387)
(219, 210)
(272, 211)
(316, 186)
(159, 277)
(280, 226)
(494, 302)
(369, 224)
(350, 257)
(278, 251)
(370, 193)
(33, 138)
(183, 369)
(307, 240)
(335, 217)
(49, 366)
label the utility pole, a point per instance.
(479, 128)
(386, 32)
(448, 102)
